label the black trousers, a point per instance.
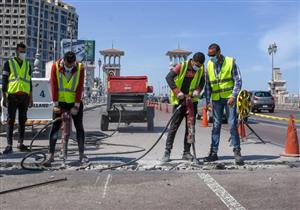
(20, 103)
(78, 123)
(175, 125)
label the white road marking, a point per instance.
(96, 182)
(225, 197)
(164, 137)
(106, 185)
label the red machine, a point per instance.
(127, 95)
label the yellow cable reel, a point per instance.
(244, 103)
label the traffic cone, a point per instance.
(242, 130)
(291, 142)
(167, 108)
(204, 117)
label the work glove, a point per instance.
(56, 109)
(74, 110)
(195, 93)
(180, 95)
(4, 101)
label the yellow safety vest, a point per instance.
(19, 78)
(67, 89)
(179, 80)
(221, 84)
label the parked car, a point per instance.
(262, 100)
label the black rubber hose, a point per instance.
(155, 143)
(38, 155)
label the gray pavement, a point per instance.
(267, 181)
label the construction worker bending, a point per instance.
(185, 78)
(67, 78)
(223, 83)
(17, 95)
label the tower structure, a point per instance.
(178, 55)
(111, 64)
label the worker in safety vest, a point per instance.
(17, 95)
(67, 78)
(223, 83)
(186, 78)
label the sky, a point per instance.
(147, 29)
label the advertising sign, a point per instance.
(84, 49)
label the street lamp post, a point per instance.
(99, 80)
(70, 25)
(272, 50)
(36, 64)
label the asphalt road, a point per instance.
(260, 189)
(261, 186)
(274, 131)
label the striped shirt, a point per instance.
(236, 76)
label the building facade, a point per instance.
(19, 23)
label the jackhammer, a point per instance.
(191, 125)
(65, 134)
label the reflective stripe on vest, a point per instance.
(180, 78)
(221, 84)
(67, 89)
(19, 79)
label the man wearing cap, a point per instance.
(223, 83)
(67, 78)
(17, 95)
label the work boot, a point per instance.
(238, 157)
(211, 157)
(49, 160)
(7, 150)
(166, 157)
(187, 156)
(83, 158)
(22, 148)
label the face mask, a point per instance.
(22, 56)
(196, 68)
(68, 69)
(214, 59)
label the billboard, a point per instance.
(84, 49)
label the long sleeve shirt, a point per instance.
(236, 76)
(174, 72)
(6, 73)
(54, 82)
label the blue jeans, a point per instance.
(231, 115)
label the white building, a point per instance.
(19, 23)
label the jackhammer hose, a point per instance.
(40, 155)
(149, 150)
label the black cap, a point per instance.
(70, 57)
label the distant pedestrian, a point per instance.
(186, 78)
(17, 95)
(223, 83)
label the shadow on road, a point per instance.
(251, 157)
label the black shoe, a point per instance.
(238, 157)
(187, 156)
(23, 148)
(49, 160)
(166, 157)
(83, 159)
(8, 150)
(211, 157)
